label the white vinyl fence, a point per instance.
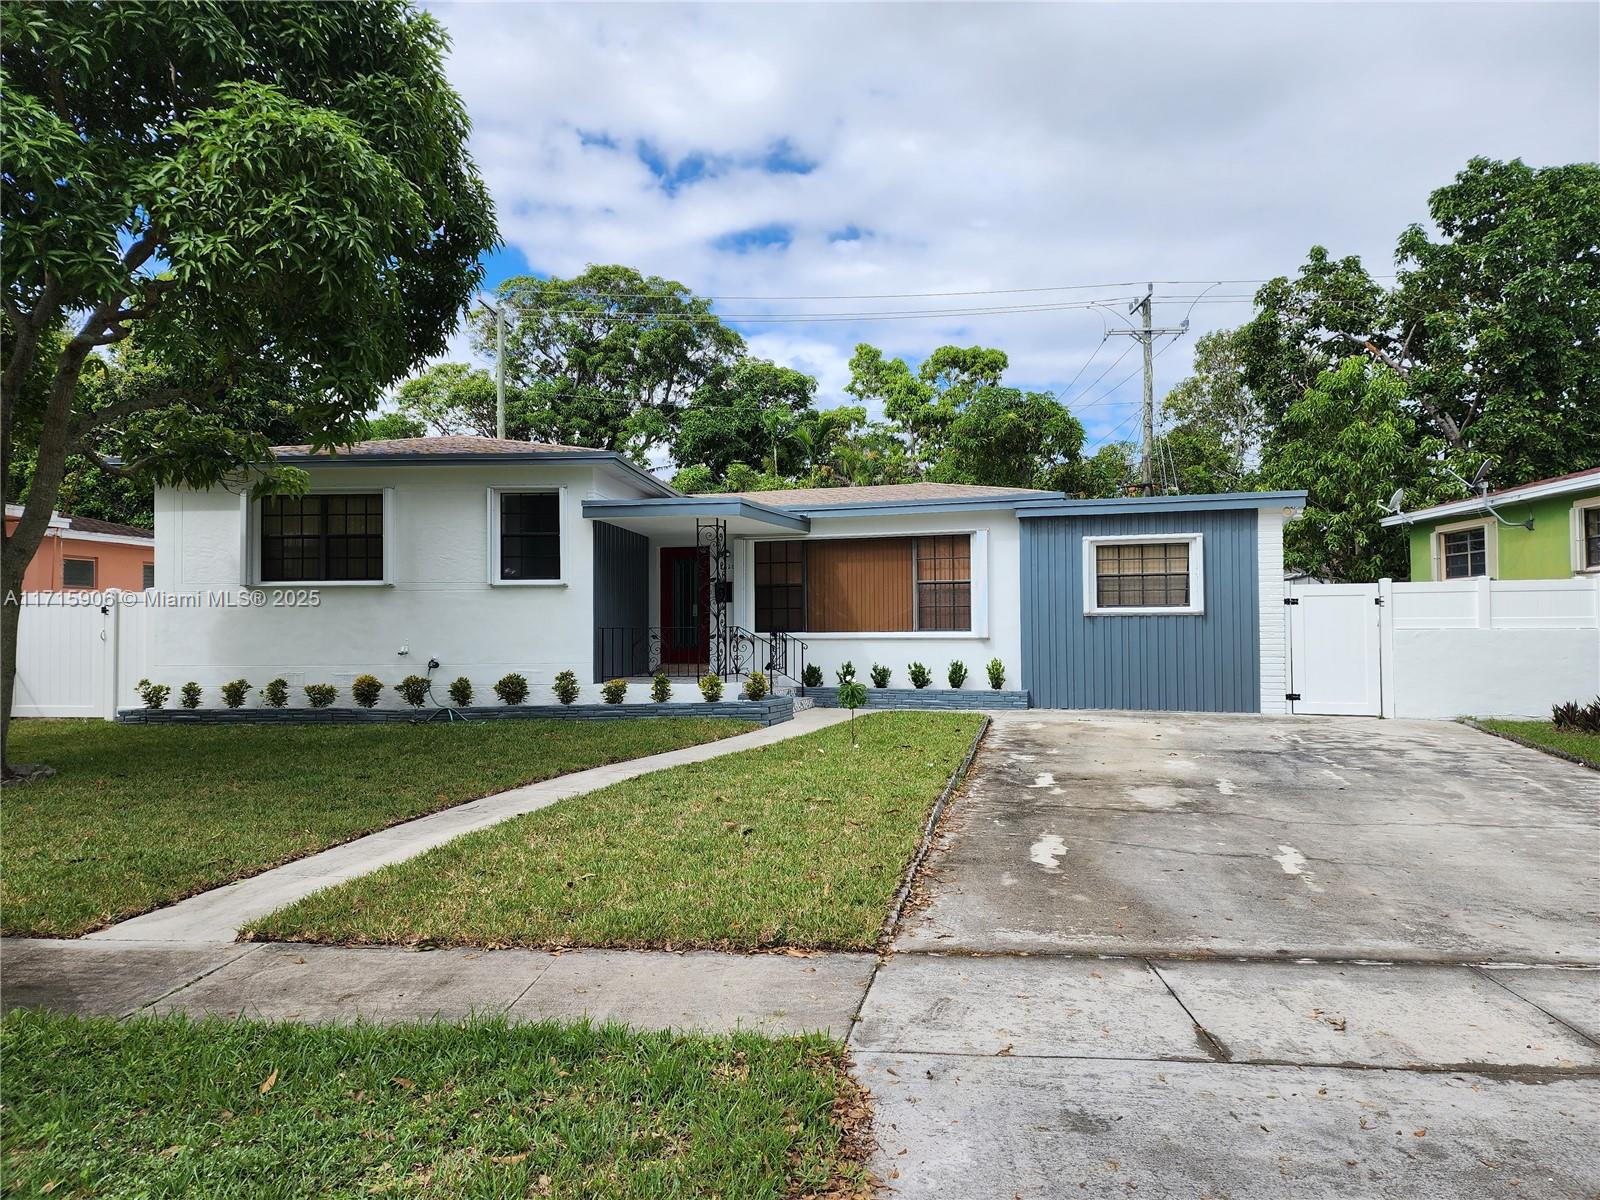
(79, 654)
(1471, 647)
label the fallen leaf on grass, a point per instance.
(170, 1152)
(266, 1084)
(402, 1082)
(505, 1159)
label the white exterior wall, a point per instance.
(439, 602)
(996, 600)
(1274, 626)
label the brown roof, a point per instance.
(95, 525)
(881, 494)
(456, 444)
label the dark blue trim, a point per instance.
(1159, 504)
(695, 506)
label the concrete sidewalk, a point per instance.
(218, 915)
(770, 993)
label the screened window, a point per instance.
(149, 580)
(1465, 553)
(1591, 538)
(943, 582)
(324, 538)
(530, 535)
(780, 587)
(1142, 575)
(77, 573)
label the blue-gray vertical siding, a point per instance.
(621, 600)
(1204, 663)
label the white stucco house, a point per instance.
(491, 556)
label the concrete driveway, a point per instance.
(1236, 956)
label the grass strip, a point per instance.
(169, 1107)
(797, 844)
(1571, 743)
(141, 816)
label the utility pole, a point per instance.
(1147, 334)
(499, 365)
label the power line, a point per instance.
(1092, 356)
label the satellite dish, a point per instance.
(1397, 499)
(1483, 473)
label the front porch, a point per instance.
(665, 586)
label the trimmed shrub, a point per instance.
(711, 688)
(512, 689)
(756, 686)
(920, 677)
(276, 693)
(812, 675)
(321, 695)
(997, 674)
(846, 672)
(233, 694)
(364, 691)
(957, 674)
(880, 675)
(661, 688)
(189, 695)
(413, 689)
(566, 687)
(154, 695)
(461, 691)
(614, 691)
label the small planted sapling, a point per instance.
(234, 693)
(711, 688)
(880, 675)
(756, 686)
(921, 677)
(853, 695)
(811, 676)
(154, 695)
(957, 674)
(997, 674)
(661, 688)
(615, 691)
(846, 672)
(276, 693)
(189, 695)
(414, 689)
(461, 691)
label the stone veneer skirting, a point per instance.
(928, 697)
(771, 711)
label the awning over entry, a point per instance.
(668, 515)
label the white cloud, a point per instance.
(992, 146)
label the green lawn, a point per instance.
(801, 844)
(142, 816)
(1583, 745)
(166, 1107)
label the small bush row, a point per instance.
(1577, 718)
(415, 690)
(920, 676)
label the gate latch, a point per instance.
(1291, 599)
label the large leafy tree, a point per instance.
(1497, 319)
(281, 188)
(610, 357)
(751, 414)
(1008, 438)
(1214, 415)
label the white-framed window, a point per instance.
(330, 537)
(525, 547)
(1465, 550)
(1586, 536)
(1144, 574)
(148, 576)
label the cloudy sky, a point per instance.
(776, 151)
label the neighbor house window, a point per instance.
(1142, 574)
(1591, 538)
(864, 585)
(149, 579)
(1465, 553)
(337, 537)
(529, 537)
(77, 573)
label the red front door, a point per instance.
(685, 601)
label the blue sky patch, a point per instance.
(758, 237)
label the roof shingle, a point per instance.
(885, 493)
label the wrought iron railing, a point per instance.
(687, 652)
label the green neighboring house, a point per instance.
(1483, 536)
